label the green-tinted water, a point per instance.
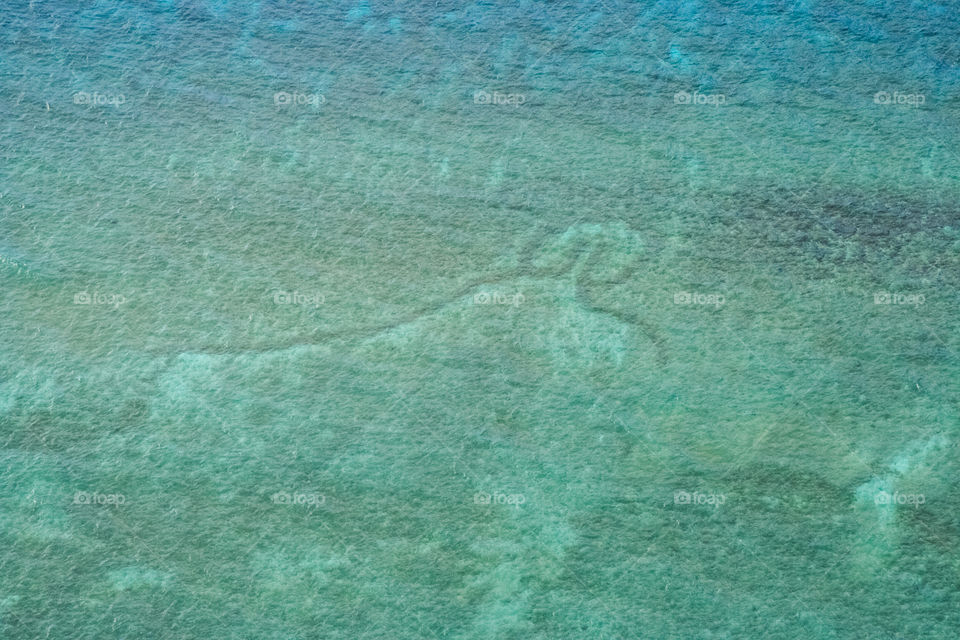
(540, 321)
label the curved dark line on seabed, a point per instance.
(582, 285)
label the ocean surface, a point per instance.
(479, 320)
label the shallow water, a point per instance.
(529, 320)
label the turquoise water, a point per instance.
(491, 320)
